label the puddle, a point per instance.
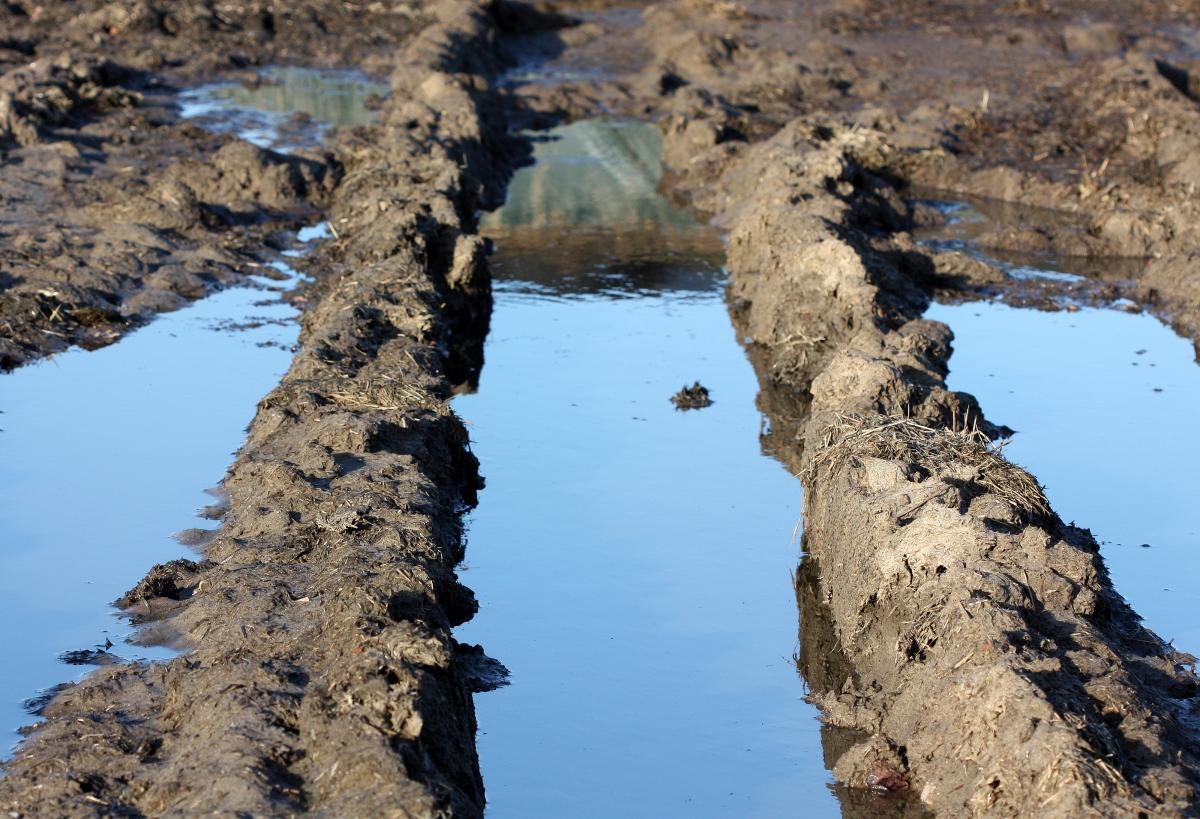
(545, 61)
(1101, 400)
(103, 455)
(633, 562)
(89, 499)
(969, 222)
(291, 108)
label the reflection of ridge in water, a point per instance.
(826, 670)
(608, 264)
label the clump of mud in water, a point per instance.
(89, 656)
(693, 397)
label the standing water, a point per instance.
(1101, 400)
(632, 561)
(287, 107)
(104, 454)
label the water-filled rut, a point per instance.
(632, 561)
(1096, 395)
(105, 454)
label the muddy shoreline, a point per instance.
(116, 209)
(941, 568)
(322, 675)
(947, 577)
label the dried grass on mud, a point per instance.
(970, 454)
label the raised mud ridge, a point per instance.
(321, 674)
(115, 208)
(976, 639)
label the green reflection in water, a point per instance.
(265, 114)
(594, 172)
(334, 97)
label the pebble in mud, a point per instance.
(693, 397)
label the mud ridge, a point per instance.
(115, 208)
(991, 664)
(975, 642)
(321, 675)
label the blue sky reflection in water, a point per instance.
(104, 455)
(1115, 454)
(632, 562)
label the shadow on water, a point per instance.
(632, 560)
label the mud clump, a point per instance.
(693, 397)
(88, 656)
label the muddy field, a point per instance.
(966, 645)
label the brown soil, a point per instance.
(972, 640)
(966, 646)
(322, 675)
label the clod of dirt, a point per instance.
(88, 656)
(693, 397)
(483, 673)
(173, 580)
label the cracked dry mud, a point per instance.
(965, 644)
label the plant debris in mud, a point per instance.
(693, 397)
(969, 454)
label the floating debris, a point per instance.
(693, 397)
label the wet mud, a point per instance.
(945, 574)
(115, 206)
(966, 645)
(321, 673)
